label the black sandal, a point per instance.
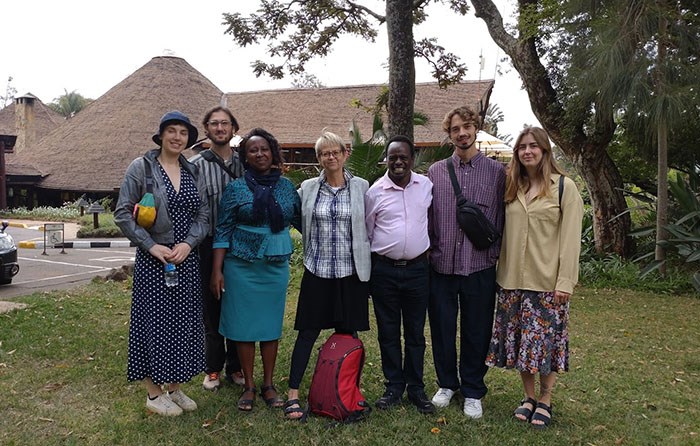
(537, 416)
(524, 411)
(274, 402)
(246, 405)
(289, 410)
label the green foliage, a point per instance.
(366, 157)
(615, 272)
(67, 212)
(107, 228)
(69, 104)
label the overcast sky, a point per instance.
(50, 46)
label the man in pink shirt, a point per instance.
(396, 212)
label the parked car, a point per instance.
(8, 256)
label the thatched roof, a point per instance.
(91, 151)
(45, 120)
(297, 116)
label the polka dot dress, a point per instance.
(166, 335)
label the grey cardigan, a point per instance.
(360, 242)
(132, 189)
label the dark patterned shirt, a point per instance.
(482, 181)
(216, 180)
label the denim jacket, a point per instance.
(132, 189)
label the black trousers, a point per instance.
(474, 298)
(218, 350)
(400, 295)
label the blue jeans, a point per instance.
(474, 298)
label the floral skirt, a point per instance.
(530, 332)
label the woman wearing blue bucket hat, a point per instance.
(166, 332)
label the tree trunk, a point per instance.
(610, 223)
(662, 196)
(586, 149)
(662, 152)
(402, 71)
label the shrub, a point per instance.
(615, 272)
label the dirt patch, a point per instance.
(6, 307)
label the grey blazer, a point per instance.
(132, 189)
(361, 253)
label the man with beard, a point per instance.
(219, 165)
(396, 213)
(463, 278)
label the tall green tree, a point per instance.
(583, 64)
(298, 30)
(69, 104)
(650, 73)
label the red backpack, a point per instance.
(335, 385)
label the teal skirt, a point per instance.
(252, 307)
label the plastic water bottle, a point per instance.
(170, 273)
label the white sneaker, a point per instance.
(472, 408)
(443, 397)
(185, 402)
(163, 405)
(211, 381)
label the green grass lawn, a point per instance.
(634, 380)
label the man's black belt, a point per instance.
(400, 263)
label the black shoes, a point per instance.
(418, 399)
(422, 403)
(387, 400)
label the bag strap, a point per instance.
(453, 177)
(149, 176)
(209, 156)
(561, 188)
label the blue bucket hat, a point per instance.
(176, 117)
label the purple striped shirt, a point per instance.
(482, 181)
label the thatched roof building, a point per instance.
(297, 116)
(90, 152)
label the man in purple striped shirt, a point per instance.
(462, 278)
(396, 213)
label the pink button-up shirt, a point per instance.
(397, 218)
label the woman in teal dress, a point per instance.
(250, 271)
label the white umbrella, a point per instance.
(491, 144)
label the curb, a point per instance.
(79, 244)
(19, 225)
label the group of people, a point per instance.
(223, 218)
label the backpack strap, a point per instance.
(561, 188)
(149, 176)
(212, 158)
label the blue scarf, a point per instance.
(263, 200)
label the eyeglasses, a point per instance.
(335, 154)
(223, 124)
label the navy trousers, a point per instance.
(473, 297)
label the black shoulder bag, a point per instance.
(479, 229)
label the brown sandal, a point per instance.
(246, 405)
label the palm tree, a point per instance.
(644, 59)
(69, 104)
